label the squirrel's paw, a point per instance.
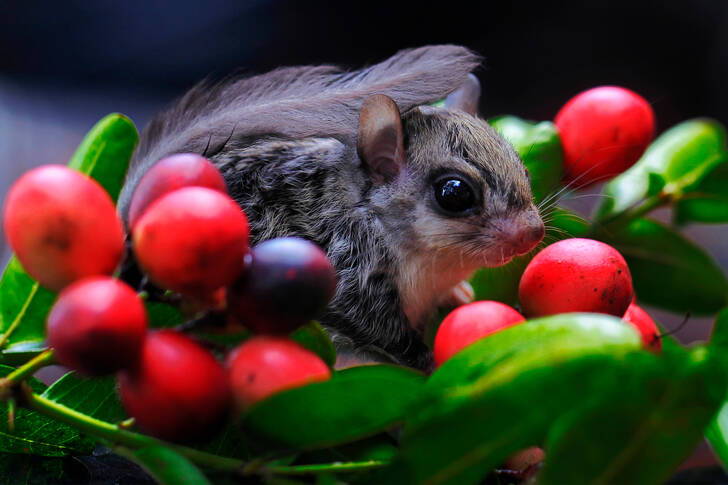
(460, 294)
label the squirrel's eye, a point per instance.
(454, 195)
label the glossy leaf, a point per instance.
(539, 146)
(479, 407)
(717, 431)
(669, 271)
(24, 305)
(641, 430)
(680, 157)
(95, 397)
(105, 152)
(356, 403)
(20, 353)
(708, 201)
(168, 467)
(313, 337)
(162, 315)
(37, 434)
(501, 283)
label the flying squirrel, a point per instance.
(407, 199)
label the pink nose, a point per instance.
(522, 233)
(528, 237)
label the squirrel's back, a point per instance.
(294, 103)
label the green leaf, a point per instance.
(539, 146)
(717, 431)
(24, 305)
(502, 393)
(501, 283)
(20, 353)
(105, 152)
(669, 271)
(356, 403)
(707, 202)
(95, 397)
(162, 315)
(313, 337)
(167, 467)
(681, 156)
(646, 426)
(37, 434)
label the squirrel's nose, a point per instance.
(522, 233)
(528, 237)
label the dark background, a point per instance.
(63, 65)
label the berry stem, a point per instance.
(354, 466)
(621, 220)
(26, 370)
(115, 435)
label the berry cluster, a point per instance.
(191, 238)
(573, 275)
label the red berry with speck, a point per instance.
(192, 241)
(178, 392)
(576, 275)
(97, 326)
(469, 323)
(645, 325)
(172, 173)
(265, 365)
(287, 282)
(63, 226)
(603, 131)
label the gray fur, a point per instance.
(292, 165)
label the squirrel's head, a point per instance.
(445, 184)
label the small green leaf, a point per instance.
(105, 152)
(95, 397)
(681, 156)
(646, 426)
(539, 146)
(37, 434)
(24, 305)
(162, 315)
(707, 202)
(313, 337)
(20, 353)
(357, 402)
(502, 393)
(669, 271)
(167, 467)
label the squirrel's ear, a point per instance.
(380, 142)
(466, 97)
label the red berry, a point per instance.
(63, 226)
(172, 173)
(287, 282)
(192, 241)
(178, 392)
(576, 275)
(469, 323)
(97, 326)
(645, 325)
(604, 131)
(264, 365)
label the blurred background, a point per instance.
(63, 65)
